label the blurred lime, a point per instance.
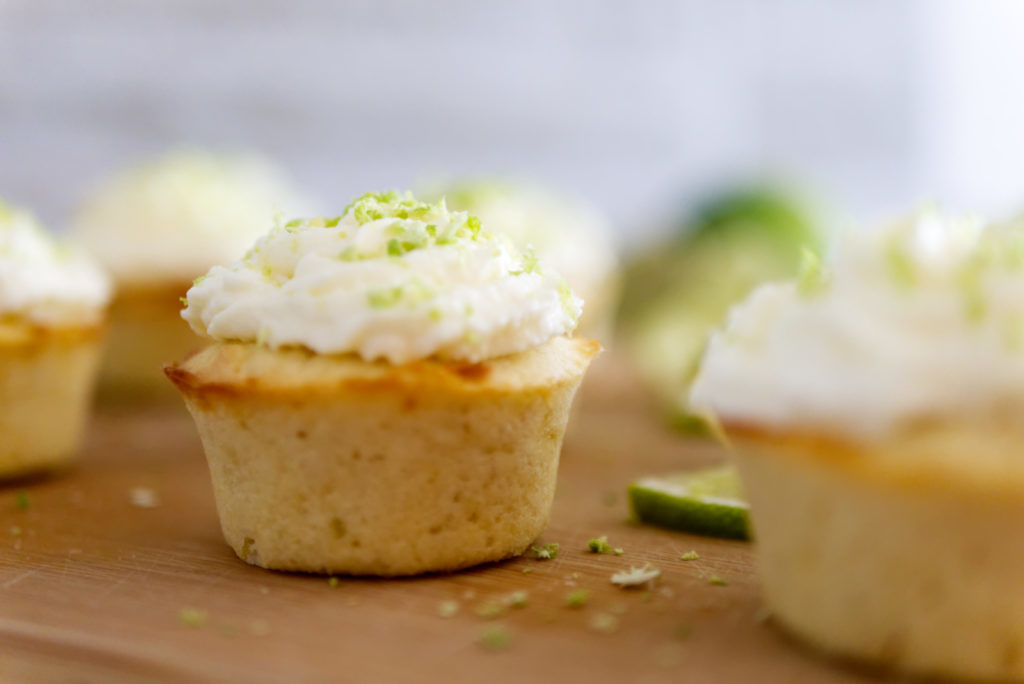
(707, 502)
(678, 293)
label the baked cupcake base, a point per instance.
(145, 333)
(335, 465)
(46, 382)
(905, 553)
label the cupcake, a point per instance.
(52, 300)
(155, 229)
(874, 410)
(572, 237)
(387, 391)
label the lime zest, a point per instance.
(599, 545)
(689, 556)
(546, 552)
(577, 598)
(495, 638)
(193, 617)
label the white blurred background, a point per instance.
(639, 106)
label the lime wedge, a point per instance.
(707, 501)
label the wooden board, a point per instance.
(94, 586)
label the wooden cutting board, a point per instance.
(94, 587)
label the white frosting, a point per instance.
(919, 319)
(42, 281)
(571, 237)
(173, 219)
(392, 279)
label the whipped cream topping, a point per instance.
(915, 320)
(570, 236)
(172, 219)
(44, 282)
(392, 278)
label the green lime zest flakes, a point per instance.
(490, 610)
(900, 264)
(15, 531)
(350, 253)
(577, 598)
(635, 577)
(332, 582)
(689, 556)
(447, 609)
(568, 301)
(385, 298)
(717, 581)
(473, 224)
(21, 501)
(192, 617)
(184, 301)
(199, 280)
(605, 623)
(527, 571)
(546, 552)
(813, 278)
(495, 638)
(600, 545)
(435, 314)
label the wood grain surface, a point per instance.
(93, 587)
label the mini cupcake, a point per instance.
(51, 317)
(572, 237)
(155, 229)
(874, 408)
(387, 393)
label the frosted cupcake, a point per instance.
(572, 237)
(155, 229)
(52, 300)
(387, 393)
(875, 409)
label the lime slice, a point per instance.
(705, 502)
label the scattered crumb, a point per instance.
(527, 571)
(546, 552)
(259, 628)
(577, 598)
(332, 582)
(717, 581)
(495, 638)
(599, 545)
(517, 599)
(448, 609)
(635, 577)
(689, 555)
(618, 551)
(666, 592)
(22, 501)
(15, 531)
(490, 610)
(143, 497)
(192, 617)
(606, 623)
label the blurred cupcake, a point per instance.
(156, 228)
(875, 410)
(52, 301)
(388, 391)
(574, 239)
